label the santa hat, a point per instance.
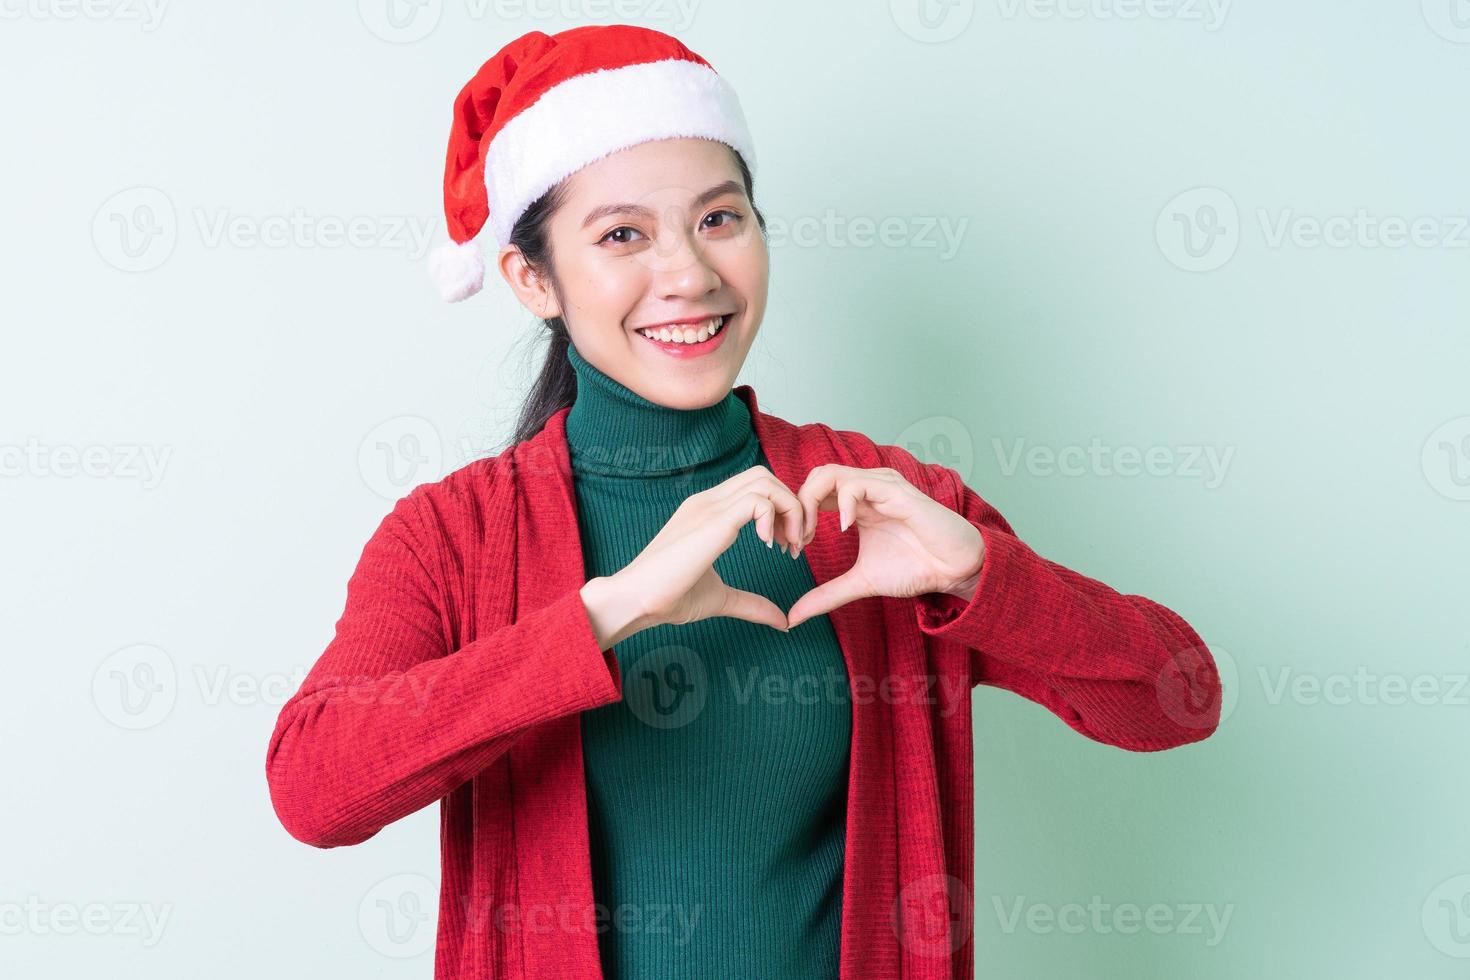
(546, 106)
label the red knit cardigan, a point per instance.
(464, 656)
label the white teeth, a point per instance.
(688, 334)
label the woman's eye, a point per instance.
(621, 241)
(610, 237)
(734, 216)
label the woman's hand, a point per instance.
(909, 544)
(673, 577)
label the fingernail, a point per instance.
(770, 542)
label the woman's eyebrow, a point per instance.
(603, 211)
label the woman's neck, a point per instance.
(614, 430)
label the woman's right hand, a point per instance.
(673, 578)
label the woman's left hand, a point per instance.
(909, 544)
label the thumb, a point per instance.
(824, 598)
(753, 608)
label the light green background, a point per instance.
(1329, 829)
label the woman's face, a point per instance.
(658, 232)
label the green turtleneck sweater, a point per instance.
(717, 785)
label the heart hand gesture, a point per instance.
(909, 544)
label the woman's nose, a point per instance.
(682, 268)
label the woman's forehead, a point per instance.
(655, 173)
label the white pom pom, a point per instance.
(458, 269)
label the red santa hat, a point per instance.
(545, 106)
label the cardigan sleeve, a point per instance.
(389, 720)
(1120, 669)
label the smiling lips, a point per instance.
(688, 333)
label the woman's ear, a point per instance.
(531, 289)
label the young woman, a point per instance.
(690, 683)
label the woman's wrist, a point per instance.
(965, 589)
(614, 614)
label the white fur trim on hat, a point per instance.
(589, 116)
(458, 269)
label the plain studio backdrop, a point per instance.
(1180, 287)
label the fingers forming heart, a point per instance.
(841, 488)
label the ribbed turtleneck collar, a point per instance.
(612, 429)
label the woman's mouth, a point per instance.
(689, 339)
